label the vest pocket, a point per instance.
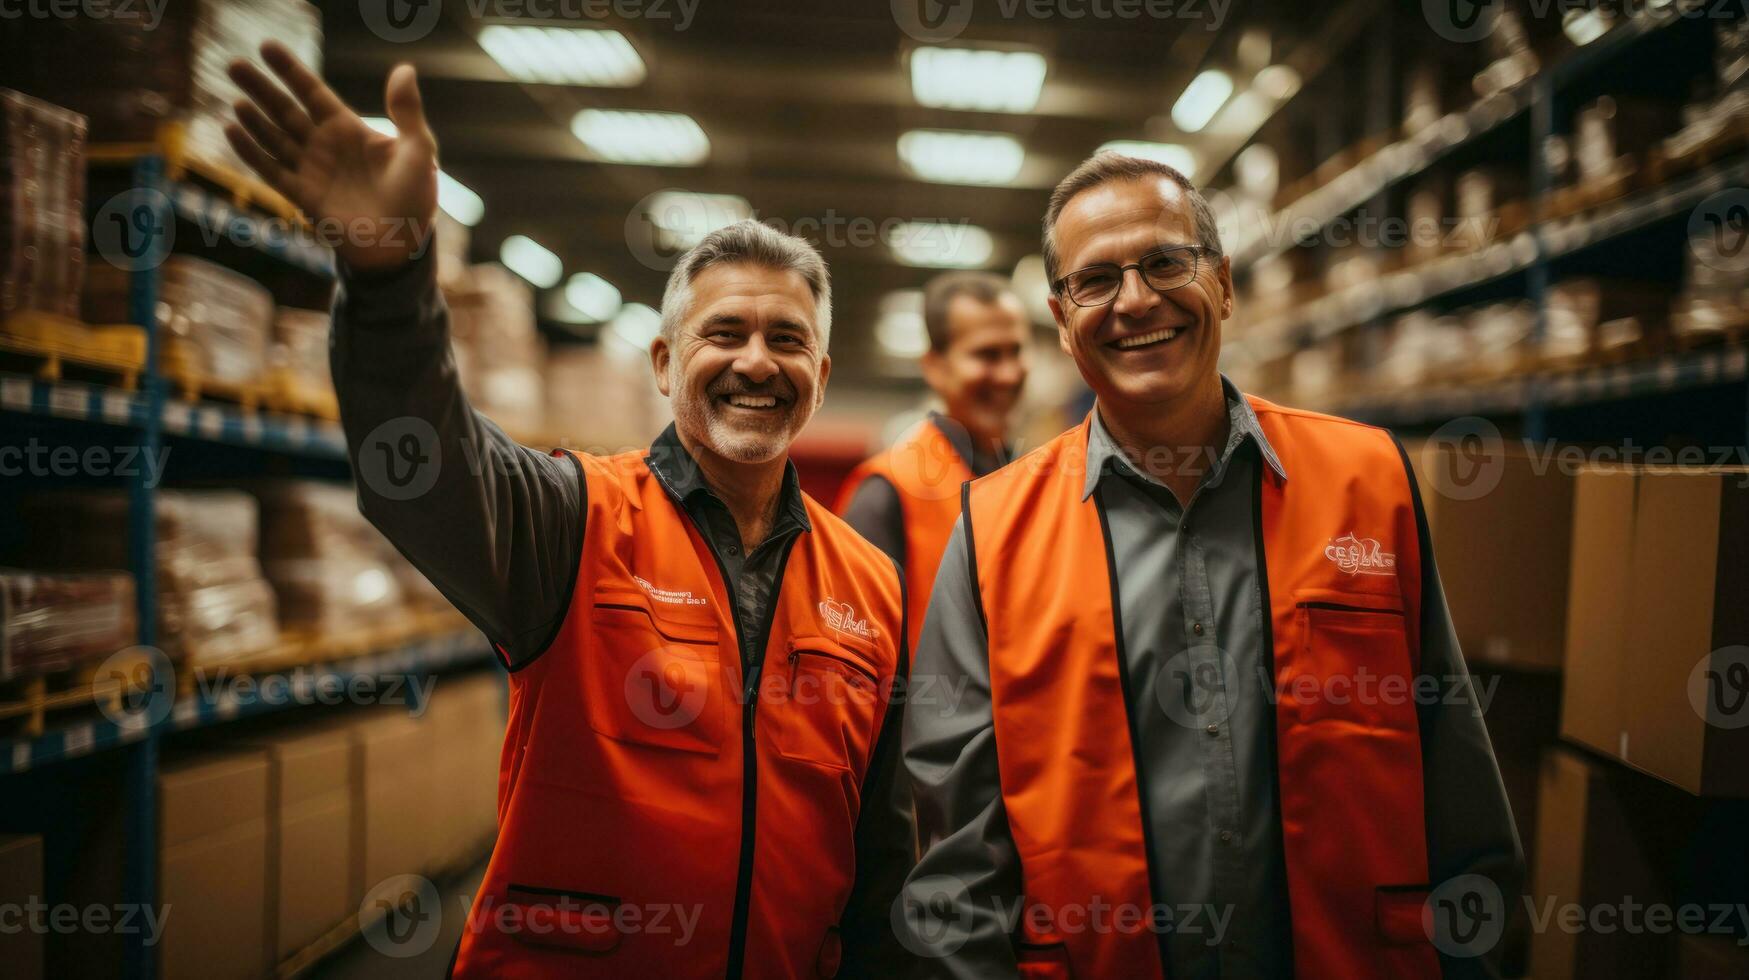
(578, 921)
(654, 677)
(1400, 914)
(824, 710)
(1353, 665)
(1043, 961)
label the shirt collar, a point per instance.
(680, 475)
(981, 464)
(1103, 452)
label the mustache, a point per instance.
(730, 383)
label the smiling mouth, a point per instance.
(1147, 339)
(755, 402)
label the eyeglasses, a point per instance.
(1163, 269)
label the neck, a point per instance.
(1190, 431)
(983, 441)
(749, 490)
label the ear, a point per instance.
(1225, 277)
(825, 375)
(1062, 323)
(660, 352)
(934, 365)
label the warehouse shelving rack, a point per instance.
(176, 186)
(1521, 265)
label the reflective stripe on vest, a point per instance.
(1341, 567)
(927, 472)
(636, 770)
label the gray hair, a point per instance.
(749, 241)
(1106, 167)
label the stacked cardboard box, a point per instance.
(498, 351)
(395, 786)
(213, 323)
(213, 865)
(467, 719)
(42, 206)
(56, 622)
(309, 836)
(1658, 631)
(323, 558)
(21, 883)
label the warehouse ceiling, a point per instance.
(803, 104)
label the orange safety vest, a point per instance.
(646, 777)
(927, 472)
(1339, 555)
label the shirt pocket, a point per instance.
(1354, 664)
(825, 711)
(655, 676)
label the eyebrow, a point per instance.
(736, 320)
(1159, 247)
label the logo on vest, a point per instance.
(841, 617)
(669, 596)
(1360, 556)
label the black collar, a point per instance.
(980, 463)
(679, 474)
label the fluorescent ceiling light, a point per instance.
(941, 244)
(1584, 26)
(956, 157)
(564, 55)
(900, 330)
(683, 218)
(663, 139)
(592, 296)
(1173, 155)
(635, 326)
(980, 80)
(455, 198)
(531, 260)
(1201, 99)
(1278, 82)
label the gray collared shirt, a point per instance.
(1192, 617)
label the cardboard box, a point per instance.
(394, 789)
(21, 881)
(309, 829)
(467, 717)
(1503, 552)
(212, 865)
(1597, 607)
(1656, 687)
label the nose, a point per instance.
(1135, 298)
(754, 361)
(1010, 371)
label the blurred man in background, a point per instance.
(1215, 720)
(700, 777)
(907, 498)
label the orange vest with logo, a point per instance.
(1339, 563)
(927, 472)
(647, 778)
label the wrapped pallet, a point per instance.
(42, 206)
(297, 359)
(498, 351)
(323, 558)
(51, 622)
(155, 63)
(213, 323)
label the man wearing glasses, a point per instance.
(1215, 721)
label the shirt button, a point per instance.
(1213, 730)
(733, 550)
(1226, 837)
(1197, 629)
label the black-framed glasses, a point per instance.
(1163, 269)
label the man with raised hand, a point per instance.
(1214, 721)
(700, 773)
(906, 498)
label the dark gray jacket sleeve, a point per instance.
(876, 514)
(956, 908)
(1470, 833)
(497, 527)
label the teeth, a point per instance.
(1147, 338)
(753, 401)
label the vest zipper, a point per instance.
(1344, 607)
(795, 659)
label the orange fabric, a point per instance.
(624, 770)
(927, 473)
(1342, 565)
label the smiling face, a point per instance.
(980, 373)
(1144, 350)
(747, 367)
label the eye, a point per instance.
(1167, 263)
(1094, 279)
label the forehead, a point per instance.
(1120, 219)
(967, 314)
(752, 291)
